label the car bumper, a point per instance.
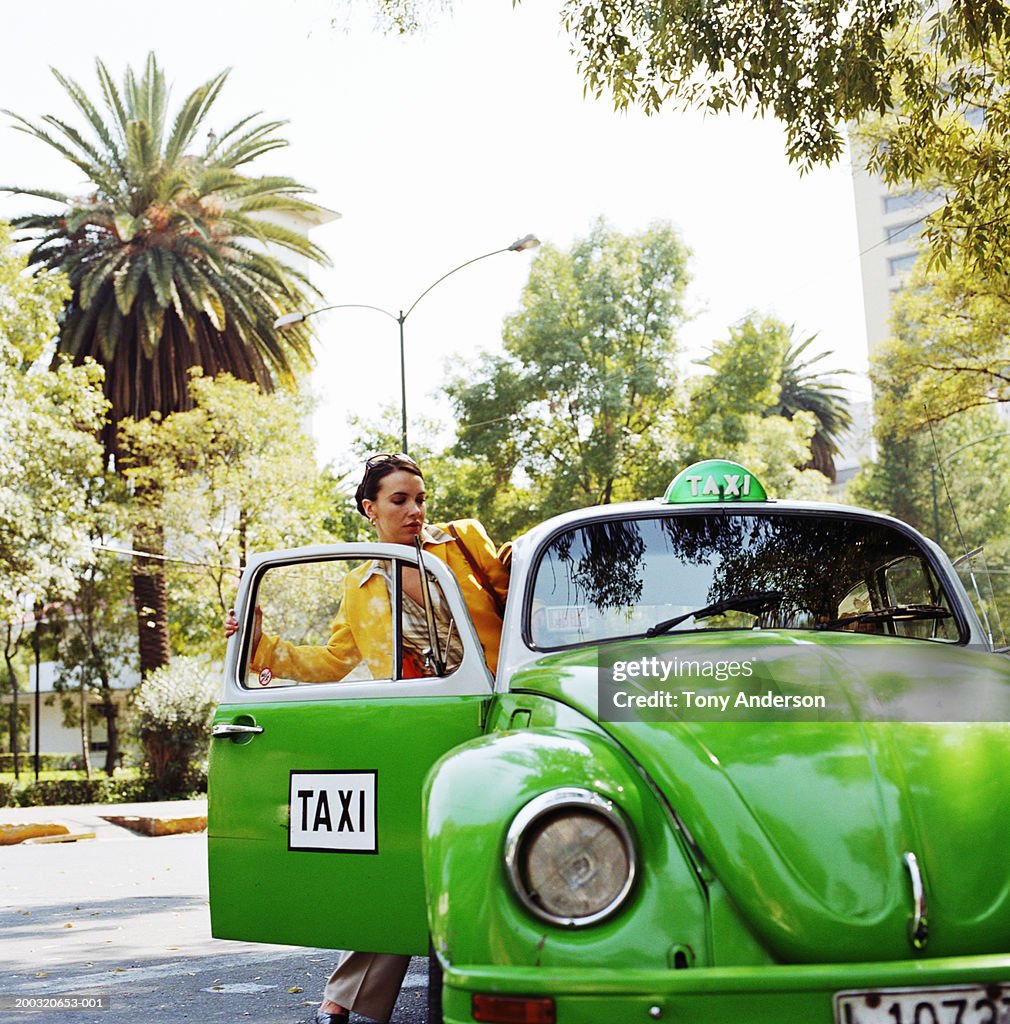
(802, 994)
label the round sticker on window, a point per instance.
(265, 676)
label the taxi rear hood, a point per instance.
(808, 824)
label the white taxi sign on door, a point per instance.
(333, 812)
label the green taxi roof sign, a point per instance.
(714, 480)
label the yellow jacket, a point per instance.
(361, 630)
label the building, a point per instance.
(54, 737)
(889, 224)
(856, 446)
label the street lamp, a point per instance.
(288, 320)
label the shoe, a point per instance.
(321, 1017)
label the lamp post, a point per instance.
(943, 458)
(39, 611)
(288, 320)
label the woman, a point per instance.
(392, 497)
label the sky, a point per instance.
(440, 147)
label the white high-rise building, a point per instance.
(889, 224)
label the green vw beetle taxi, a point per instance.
(744, 760)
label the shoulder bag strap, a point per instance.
(478, 571)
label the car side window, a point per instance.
(987, 590)
(345, 620)
(909, 581)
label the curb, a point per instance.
(102, 821)
(12, 834)
(70, 837)
(158, 826)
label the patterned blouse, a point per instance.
(414, 622)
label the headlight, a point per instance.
(570, 857)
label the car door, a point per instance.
(316, 763)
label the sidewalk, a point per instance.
(166, 817)
(126, 916)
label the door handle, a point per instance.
(234, 729)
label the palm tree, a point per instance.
(803, 390)
(169, 259)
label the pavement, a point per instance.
(154, 818)
(124, 916)
(167, 817)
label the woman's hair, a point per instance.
(376, 469)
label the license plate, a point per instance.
(957, 1004)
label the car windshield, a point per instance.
(620, 578)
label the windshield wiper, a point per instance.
(756, 601)
(892, 613)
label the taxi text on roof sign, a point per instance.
(714, 480)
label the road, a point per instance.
(125, 917)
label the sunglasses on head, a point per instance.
(378, 460)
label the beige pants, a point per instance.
(367, 983)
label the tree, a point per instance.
(48, 427)
(813, 66)
(234, 474)
(943, 460)
(93, 647)
(937, 382)
(168, 260)
(801, 389)
(588, 406)
(946, 134)
(929, 67)
(579, 410)
(17, 717)
(948, 352)
(340, 520)
(48, 424)
(962, 463)
(816, 67)
(172, 713)
(404, 17)
(737, 411)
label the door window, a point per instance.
(348, 620)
